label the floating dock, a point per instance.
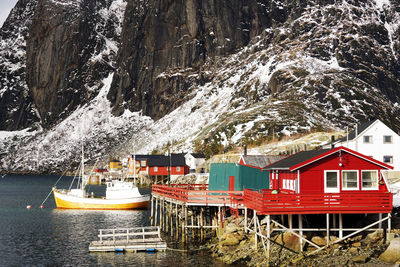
(129, 239)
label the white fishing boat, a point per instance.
(119, 195)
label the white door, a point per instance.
(331, 182)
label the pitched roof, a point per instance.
(197, 155)
(360, 128)
(303, 158)
(261, 161)
(295, 159)
(162, 160)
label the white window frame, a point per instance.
(332, 190)
(142, 163)
(155, 169)
(383, 159)
(371, 139)
(377, 180)
(178, 168)
(351, 188)
(391, 139)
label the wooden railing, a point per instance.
(199, 194)
(265, 202)
(138, 234)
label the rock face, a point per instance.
(212, 74)
(70, 49)
(16, 106)
(172, 40)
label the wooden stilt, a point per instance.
(340, 226)
(162, 214)
(156, 211)
(171, 226)
(183, 223)
(389, 223)
(290, 219)
(201, 224)
(245, 220)
(268, 236)
(186, 220)
(151, 212)
(380, 218)
(176, 220)
(255, 230)
(192, 221)
(301, 231)
(327, 229)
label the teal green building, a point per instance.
(232, 176)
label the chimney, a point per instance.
(332, 140)
(245, 150)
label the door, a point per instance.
(231, 183)
(331, 181)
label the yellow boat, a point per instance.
(120, 195)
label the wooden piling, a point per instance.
(152, 210)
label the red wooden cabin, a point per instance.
(337, 180)
(328, 171)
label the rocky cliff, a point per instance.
(193, 74)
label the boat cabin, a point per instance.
(334, 170)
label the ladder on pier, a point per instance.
(129, 239)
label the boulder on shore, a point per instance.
(392, 253)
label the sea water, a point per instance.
(53, 237)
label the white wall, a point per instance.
(377, 149)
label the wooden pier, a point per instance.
(129, 239)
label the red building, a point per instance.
(156, 166)
(328, 171)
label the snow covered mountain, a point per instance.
(194, 75)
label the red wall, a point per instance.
(164, 170)
(312, 175)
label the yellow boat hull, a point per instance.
(64, 201)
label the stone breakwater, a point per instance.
(233, 246)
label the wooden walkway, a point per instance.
(129, 239)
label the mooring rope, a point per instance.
(52, 188)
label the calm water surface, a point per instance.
(51, 237)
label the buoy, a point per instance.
(41, 207)
(29, 207)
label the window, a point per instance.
(178, 169)
(156, 169)
(388, 159)
(387, 139)
(369, 179)
(143, 163)
(349, 180)
(367, 139)
(331, 181)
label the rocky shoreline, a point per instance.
(233, 246)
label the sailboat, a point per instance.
(120, 195)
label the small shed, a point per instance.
(235, 177)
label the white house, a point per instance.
(194, 161)
(373, 139)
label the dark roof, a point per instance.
(360, 128)
(197, 155)
(261, 161)
(162, 160)
(295, 159)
